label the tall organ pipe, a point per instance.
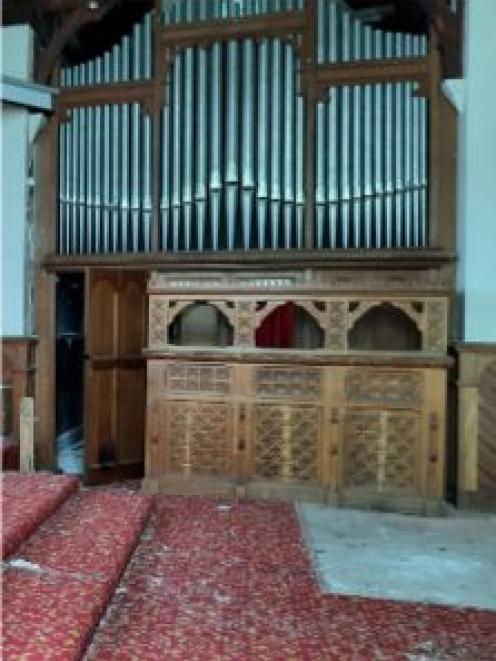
(247, 131)
(262, 141)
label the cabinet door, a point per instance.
(199, 438)
(286, 442)
(115, 375)
(381, 450)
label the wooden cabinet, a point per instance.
(369, 435)
(330, 422)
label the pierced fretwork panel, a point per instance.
(287, 383)
(286, 442)
(396, 388)
(200, 438)
(381, 449)
(185, 378)
(361, 439)
(401, 450)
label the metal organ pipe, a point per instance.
(232, 144)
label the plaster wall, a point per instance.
(17, 63)
(477, 176)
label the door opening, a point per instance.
(69, 356)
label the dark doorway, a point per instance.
(69, 372)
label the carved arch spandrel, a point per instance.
(404, 306)
(224, 307)
(319, 316)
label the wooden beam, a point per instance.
(141, 92)
(368, 72)
(383, 259)
(283, 24)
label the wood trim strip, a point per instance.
(97, 95)
(289, 259)
(367, 72)
(203, 33)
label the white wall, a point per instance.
(14, 205)
(477, 176)
(16, 62)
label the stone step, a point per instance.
(59, 582)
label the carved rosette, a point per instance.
(436, 330)
(158, 321)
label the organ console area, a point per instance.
(299, 382)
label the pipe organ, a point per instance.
(233, 136)
(273, 167)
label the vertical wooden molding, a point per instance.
(435, 408)
(44, 294)
(468, 439)
(435, 141)
(26, 435)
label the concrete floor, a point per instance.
(449, 560)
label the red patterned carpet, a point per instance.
(57, 585)
(212, 581)
(27, 500)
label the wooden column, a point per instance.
(44, 295)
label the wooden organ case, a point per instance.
(332, 423)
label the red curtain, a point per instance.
(277, 329)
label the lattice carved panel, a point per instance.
(362, 432)
(405, 389)
(158, 321)
(188, 379)
(286, 442)
(436, 326)
(245, 327)
(401, 452)
(287, 383)
(200, 437)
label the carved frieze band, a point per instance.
(405, 389)
(287, 383)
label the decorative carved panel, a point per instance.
(158, 320)
(245, 329)
(188, 379)
(337, 325)
(287, 383)
(362, 432)
(200, 437)
(436, 326)
(403, 389)
(401, 450)
(286, 442)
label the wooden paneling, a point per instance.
(18, 371)
(477, 426)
